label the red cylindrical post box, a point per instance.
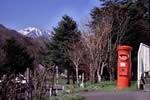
(124, 66)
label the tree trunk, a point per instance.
(77, 74)
(53, 79)
(99, 77)
(98, 74)
(82, 82)
(92, 77)
(68, 78)
(111, 75)
(92, 74)
(73, 77)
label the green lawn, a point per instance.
(101, 86)
(73, 93)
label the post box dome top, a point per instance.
(124, 47)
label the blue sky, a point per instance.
(44, 14)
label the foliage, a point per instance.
(28, 47)
(63, 35)
(2, 60)
(17, 57)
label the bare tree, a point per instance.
(99, 46)
(95, 46)
(122, 20)
(76, 55)
(43, 80)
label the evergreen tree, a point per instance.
(63, 36)
(2, 61)
(18, 58)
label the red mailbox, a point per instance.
(124, 66)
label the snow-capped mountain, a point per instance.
(35, 33)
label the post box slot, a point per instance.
(123, 57)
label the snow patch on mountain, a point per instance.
(35, 33)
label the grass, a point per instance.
(101, 86)
(70, 96)
(133, 87)
(61, 96)
(63, 81)
(64, 96)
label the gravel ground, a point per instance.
(118, 95)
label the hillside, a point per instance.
(34, 47)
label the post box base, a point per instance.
(122, 86)
(123, 82)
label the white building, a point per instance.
(143, 61)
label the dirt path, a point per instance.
(118, 95)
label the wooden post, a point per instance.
(82, 82)
(50, 92)
(29, 92)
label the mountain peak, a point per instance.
(35, 33)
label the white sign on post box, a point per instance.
(122, 64)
